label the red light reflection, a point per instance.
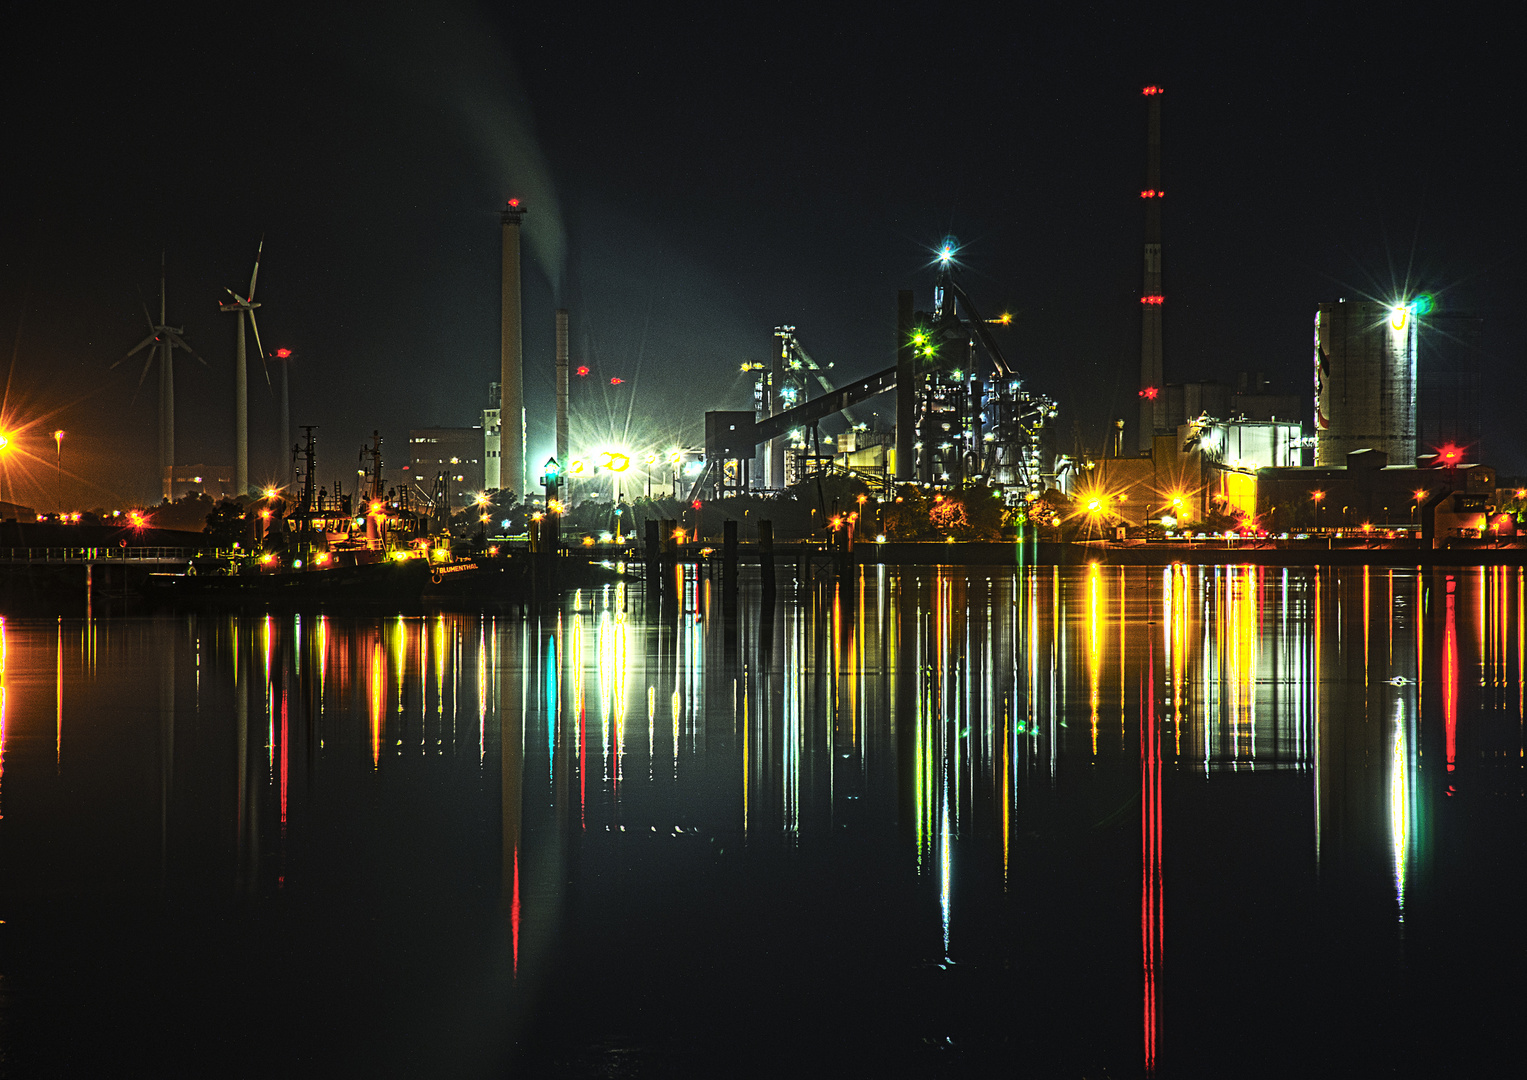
(514, 912)
(1151, 890)
(1450, 677)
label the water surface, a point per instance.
(1071, 822)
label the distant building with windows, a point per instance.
(214, 481)
(490, 440)
(455, 454)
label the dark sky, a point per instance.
(697, 176)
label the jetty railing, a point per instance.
(103, 554)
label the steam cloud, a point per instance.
(448, 53)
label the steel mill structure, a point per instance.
(963, 413)
(973, 418)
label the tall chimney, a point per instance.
(562, 389)
(906, 390)
(511, 428)
(1152, 298)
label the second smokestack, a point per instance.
(562, 461)
(511, 425)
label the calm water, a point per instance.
(1047, 822)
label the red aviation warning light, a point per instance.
(1450, 455)
(1152, 91)
(616, 381)
(1149, 393)
(514, 204)
(282, 354)
(583, 371)
(1152, 193)
(1153, 300)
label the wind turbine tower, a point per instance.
(242, 306)
(165, 339)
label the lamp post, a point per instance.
(482, 501)
(58, 450)
(5, 468)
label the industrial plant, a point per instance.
(1385, 444)
(1199, 459)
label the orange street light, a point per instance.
(58, 450)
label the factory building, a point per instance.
(1250, 399)
(448, 457)
(1208, 466)
(1365, 382)
(1367, 490)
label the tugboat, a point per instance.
(315, 552)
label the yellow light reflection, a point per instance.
(2, 715)
(1399, 805)
(377, 686)
(1094, 649)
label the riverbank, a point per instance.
(1127, 553)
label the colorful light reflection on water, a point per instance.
(967, 720)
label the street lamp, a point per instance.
(482, 500)
(5, 454)
(58, 447)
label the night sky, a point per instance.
(696, 176)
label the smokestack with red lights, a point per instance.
(511, 380)
(1152, 298)
(562, 390)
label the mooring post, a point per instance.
(766, 554)
(729, 564)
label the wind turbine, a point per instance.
(167, 339)
(242, 306)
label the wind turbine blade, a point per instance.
(256, 273)
(180, 343)
(258, 347)
(144, 375)
(136, 349)
(146, 316)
